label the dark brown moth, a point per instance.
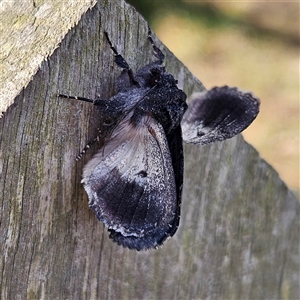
(134, 182)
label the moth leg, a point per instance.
(76, 98)
(88, 145)
(157, 52)
(120, 61)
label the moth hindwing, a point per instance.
(218, 114)
(134, 182)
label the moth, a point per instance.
(134, 182)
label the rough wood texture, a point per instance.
(30, 31)
(239, 231)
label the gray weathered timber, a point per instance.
(239, 231)
(30, 31)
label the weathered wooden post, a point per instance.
(239, 231)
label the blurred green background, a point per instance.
(252, 45)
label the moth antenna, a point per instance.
(157, 52)
(120, 61)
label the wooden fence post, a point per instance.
(239, 231)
